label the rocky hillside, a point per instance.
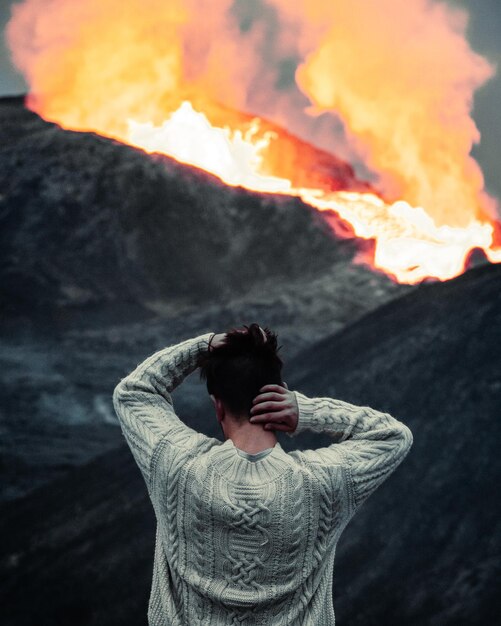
(81, 548)
(89, 221)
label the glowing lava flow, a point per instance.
(189, 137)
(408, 244)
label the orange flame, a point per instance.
(154, 75)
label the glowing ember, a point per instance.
(400, 76)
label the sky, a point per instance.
(483, 34)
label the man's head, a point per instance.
(236, 371)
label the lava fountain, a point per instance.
(397, 78)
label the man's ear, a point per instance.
(218, 406)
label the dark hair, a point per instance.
(236, 371)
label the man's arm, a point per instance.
(143, 403)
(371, 443)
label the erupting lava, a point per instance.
(189, 137)
(408, 243)
(155, 78)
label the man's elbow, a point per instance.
(406, 439)
(128, 389)
(118, 394)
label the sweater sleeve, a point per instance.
(143, 403)
(369, 443)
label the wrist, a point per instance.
(201, 344)
(305, 413)
(209, 347)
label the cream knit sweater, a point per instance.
(248, 539)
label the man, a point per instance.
(246, 532)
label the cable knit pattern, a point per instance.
(248, 539)
(370, 443)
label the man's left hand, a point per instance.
(217, 341)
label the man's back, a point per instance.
(249, 539)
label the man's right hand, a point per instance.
(276, 408)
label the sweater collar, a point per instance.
(233, 466)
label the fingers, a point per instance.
(276, 388)
(271, 393)
(276, 416)
(263, 397)
(282, 427)
(266, 406)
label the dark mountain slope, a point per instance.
(432, 360)
(78, 551)
(81, 549)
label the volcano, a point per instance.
(86, 220)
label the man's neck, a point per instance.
(251, 438)
(250, 448)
